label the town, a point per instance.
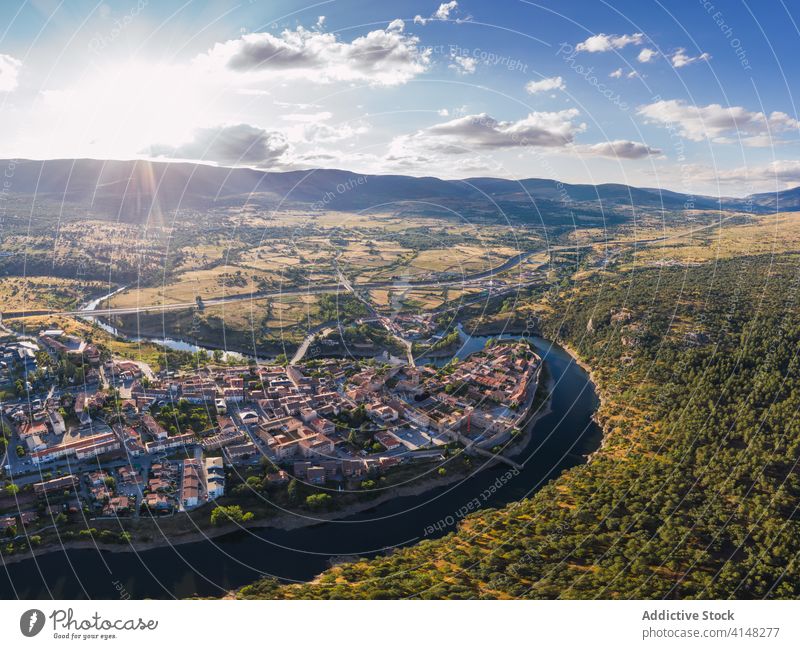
(112, 439)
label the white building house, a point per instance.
(215, 478)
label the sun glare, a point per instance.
(121, 109)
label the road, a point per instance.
(322, 288)
(323, 331)
(383, 320)
(336, 288)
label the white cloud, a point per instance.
(759, 141)
(647, 55)
(238, 144)
(608, 42)
(715, 122)
(320, 22)
(443, 112)
(621, 149)
(616, 74)
(307, 117)
(751, 177)
(381, 57)
(464, 64)
(537, 129)
(313, 128)
(321, 132)
(442, 13)
(477, 138)
(9, 73)
(785, 171)
(679, 58)
(545, 85)
(752, 141)
(397, 25)
(475, 132)
(294, 105)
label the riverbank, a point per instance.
(285, 522)
(544, 409)
(600, 396)
(500, 328)
(143, 333)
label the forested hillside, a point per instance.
(695, 491)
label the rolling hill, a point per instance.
(132, 189)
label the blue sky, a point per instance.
(691, 95)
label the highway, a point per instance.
(336, 288)
(310, 290)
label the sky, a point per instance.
(689, 95)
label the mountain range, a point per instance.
(131, 189)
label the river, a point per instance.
(163, 341)
(560, 439)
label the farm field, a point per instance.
(43, 292)
(770, 234)
(214, 282)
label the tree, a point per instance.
(262, 589)
(293, 491)
(317, 502)
(12, 489)
(232, 513)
